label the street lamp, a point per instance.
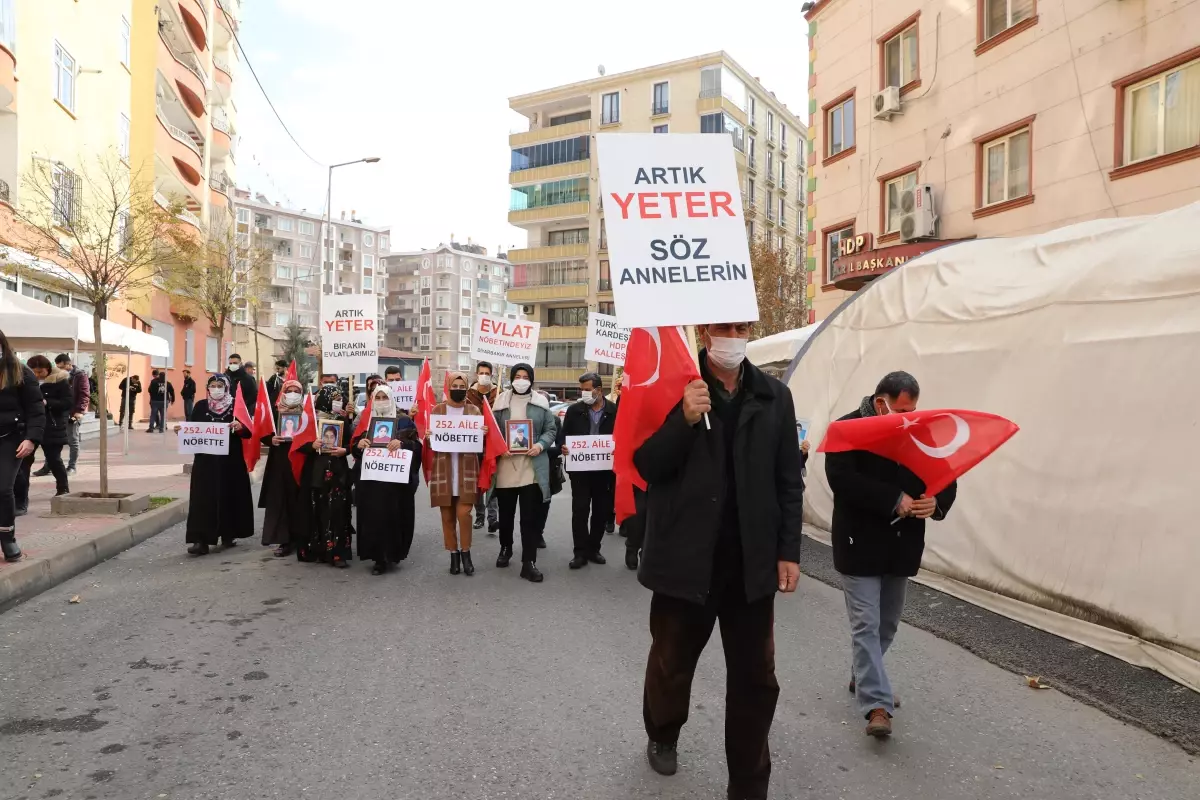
(329, 233)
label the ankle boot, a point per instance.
(198, 549)
(468, 566)
(8, 544)
(504, 557)
(455, 561)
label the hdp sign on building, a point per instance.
(676, 231)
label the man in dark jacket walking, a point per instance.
(879, 513)
(723, 520)
(591, 490)
(81, 398)
(239, 378)
(162, 395)
(188, 393)
(275, 382)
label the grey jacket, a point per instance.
(545, 429)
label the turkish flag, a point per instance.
(307, 435)
(290, 375)
(446, 386)
(937, 446)
(425, 400)
(658, 366)
(364, 420)
(494, 446)
(264, 419)
(250, 447)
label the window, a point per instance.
(998, 16)
(124, 232)
(750, 149)
(65, 186)
(781, 211)
(839, 126)
(571, 236)
(424, 320)
(662, 94)
(368, 240)
(443, 300)
(189, 347)
(123, 137)
(368, 283)
(302, 297)
(610, 108)
(243, 216)
(783, 135)
(466, 303)
(660, 129)
(64, 77)
(443, 282)
(498, 271)
(771, 126)
(443, 321)
(284, 224)
(283, 271)
(833, 238)
(894, 187)
(1003, 166)
(545, 154)
(570, 355)
(607, 307)
(425, 340)
(750, 189)
(467, 284)
(899, 55)
(771, 206)
(425, 301)
(497, 306)
(771, 163)
(605, 278)
(384, 243)
(464, 342)
(425, 282)
(538, 195)
(306, 251)
(167, 331)
(573, 315)
(1161, 114)
(368, 261)
(124, 41)
(782, 173)
(752, 110)
(307, 228)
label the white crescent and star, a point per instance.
(962, 435)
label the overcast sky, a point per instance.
(425, 86)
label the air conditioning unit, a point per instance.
(887, 103)
(918, 220)
(527, 309)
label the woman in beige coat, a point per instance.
(453, 481)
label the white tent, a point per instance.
(1088, 337)
(778, 348)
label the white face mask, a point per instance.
(291, 398)
(336, 405)
(588, 398)
(727, 353)
(382, 407)
(521, 386)
(217, 393)
(234, 367)
(484, 380)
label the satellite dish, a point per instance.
(600, 69)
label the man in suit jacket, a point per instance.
(591, 491)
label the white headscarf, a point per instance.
(391, 412)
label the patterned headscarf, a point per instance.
(325, 397)
(281, 404)
(219, 407)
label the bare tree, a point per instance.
(106, 227)
(781, 290)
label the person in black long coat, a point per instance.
(59, 397)
(287, 522)
(327, 476)
(222, 508)
(22, 423)
(386, 511)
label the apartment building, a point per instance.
(563, 272)
(432, 298)
(934, 121)
(355, 261)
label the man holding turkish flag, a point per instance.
(891, 468)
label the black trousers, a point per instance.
(9, 467)
(533, 518)
(680, 630)
(54, 461)
(591, 493)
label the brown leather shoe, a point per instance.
(879, 724)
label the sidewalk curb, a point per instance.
(32, 576)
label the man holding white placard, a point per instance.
(589, 463)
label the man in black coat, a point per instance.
(592, 490)
(162, 395)
(238, 377)
(879, 513)
(188, 393)
(134, 385)
(275, 382)
(723, 520)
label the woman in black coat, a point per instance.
(22, 421)
(287, 521)
(59, 398)
(221, 506)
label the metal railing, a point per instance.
(657, 109)
(188, 216)
(178, 133)
(192, 65)
(712, 91)
(221, 123)
(4, 191)
(545, 242)
(221, 64)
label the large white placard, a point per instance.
(456, 434)
(209, 438)
(504, 341)
(589, 453)
(405, 394)
(380, 464)
(606, 340)
(676, 232)
(350, 333)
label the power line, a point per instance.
(246, 58)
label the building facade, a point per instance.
(934, 121)
(432, 298)
(355, 262)
(564, 272)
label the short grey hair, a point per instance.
(594, 377)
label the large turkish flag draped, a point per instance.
(938, 446)
(251, 448)
(307, 435)
(494, 446)
(425, 400)
(658, 366)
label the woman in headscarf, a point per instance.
(287, 521)
(327, 475)
(453, 481)
(221, 506)
(385, 510)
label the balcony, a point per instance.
(195, 20)
(551, 132)
(783, 149)
(560, 333)
(771, 139)
(538, 294)
(530, 255)
(182, 152)
(604, 285)
(752, 124)
(783, 186)
(548, 213)
(188, 80)
(224, 72)
(752, 164)
(222, 186)
(770, 219)
(222, 138)
(553, 172)
(770, 179)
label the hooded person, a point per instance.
(287, 519)
(453, 480)
(523, 478)
(327, 477)
(386, 514)
(221, 506)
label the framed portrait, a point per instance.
(520, 435)
(382, 430)
(330, 433)
(290, 425)
(802, 429)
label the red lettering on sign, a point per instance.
(624, 206)
(695, 204)
(647, 203)
(349, 325)
(722, 200)
(513, 330)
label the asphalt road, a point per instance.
(243, 676)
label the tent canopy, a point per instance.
(1088, 337)
(33, 325)
(778, 348)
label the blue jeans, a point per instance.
(158, 415)
(875, 604)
